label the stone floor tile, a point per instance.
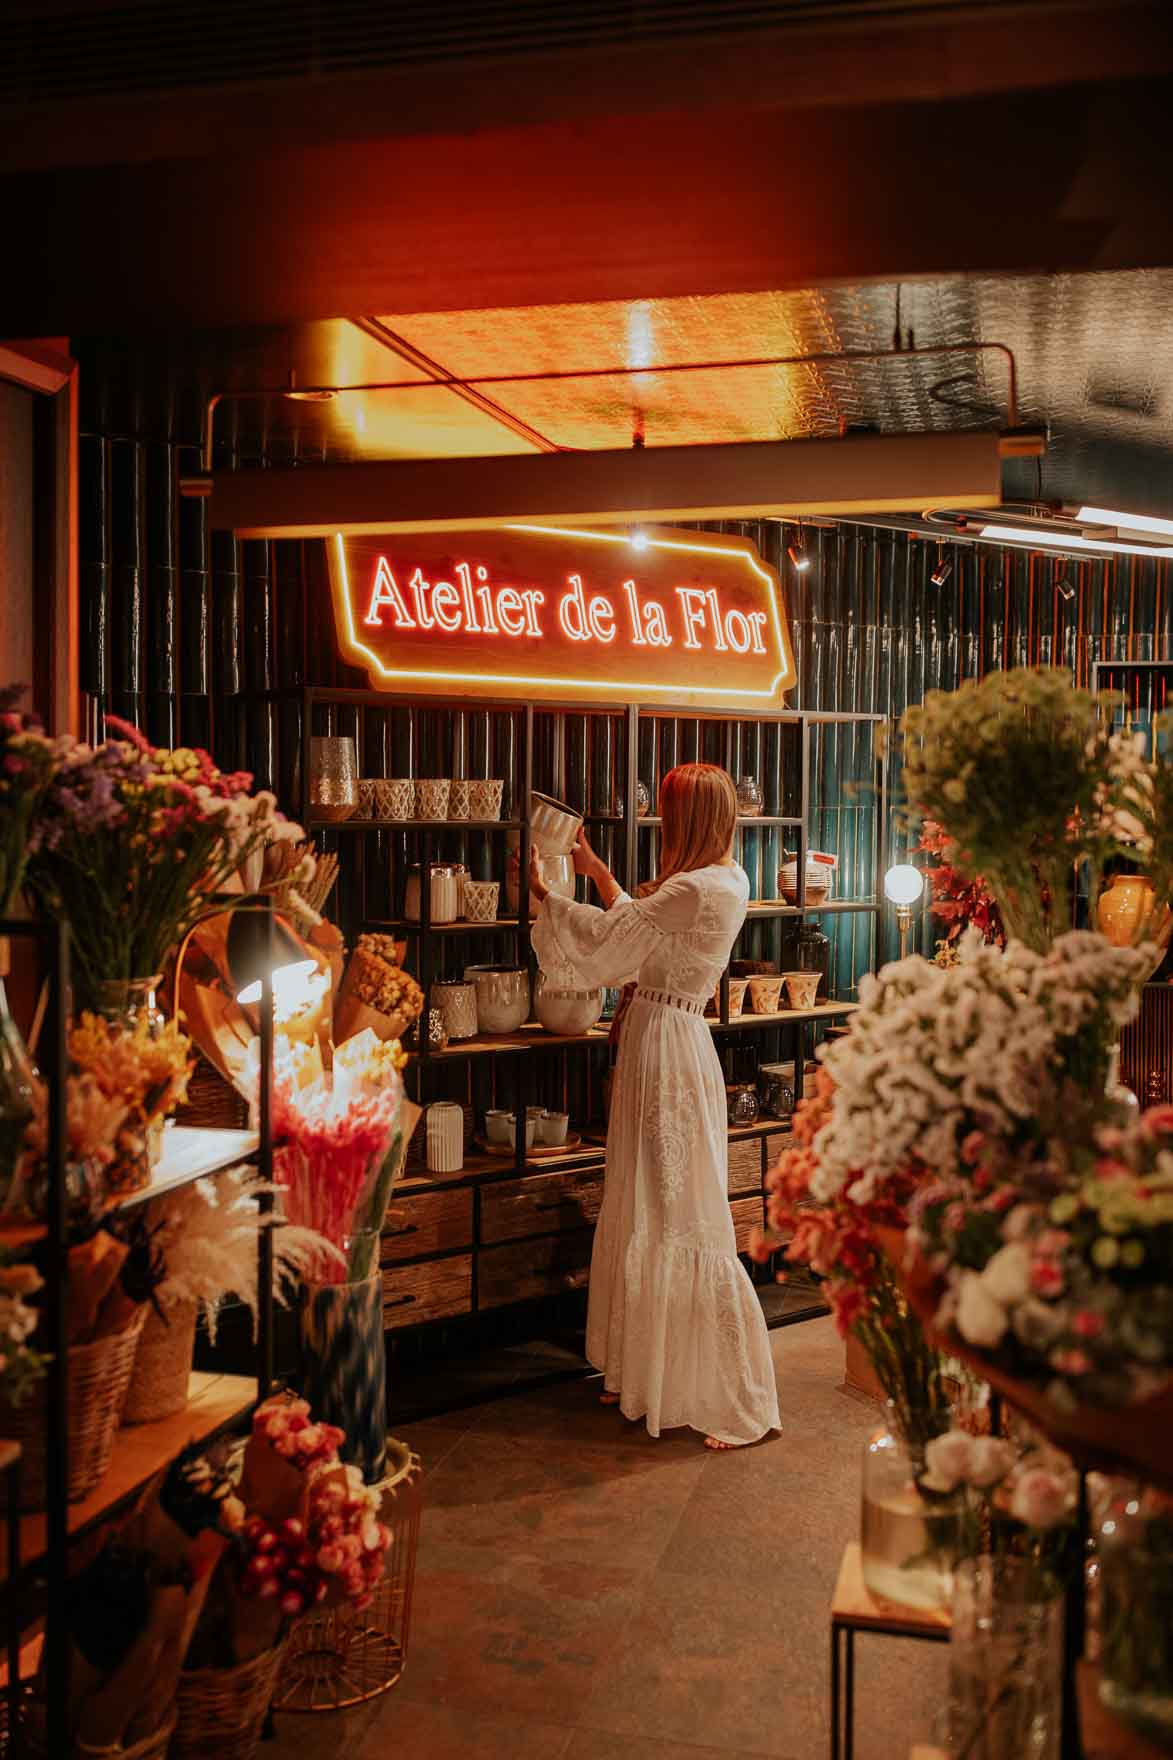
(411, 1729)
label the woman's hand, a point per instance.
(537, 886)
(584, 858)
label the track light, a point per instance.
(797, 553)
(942, 571)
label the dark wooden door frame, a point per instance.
(46, 369)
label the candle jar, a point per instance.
(333, 779)
(741, 1104)
(750, 799)
(457, 1003)
(444, 892)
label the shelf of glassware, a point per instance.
(214, 1403)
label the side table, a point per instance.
(855, 1609)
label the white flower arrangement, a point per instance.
(936, 1053)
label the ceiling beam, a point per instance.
(857, 474)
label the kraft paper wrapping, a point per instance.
(352, 1016)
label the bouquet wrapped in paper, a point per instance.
(376, 993)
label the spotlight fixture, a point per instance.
(797, 552)
(639, 540)
(943, 569)
(1063, 584)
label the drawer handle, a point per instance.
(399, 1302)
(552, 1204)
(408, 1228)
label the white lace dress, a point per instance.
(673, 1321)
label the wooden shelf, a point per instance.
(745, 821)
(820, 1012)
(356, 824)
(853, 1604)
(532, 1037)
(192, 1152)
(410, 926)
(214, 1401)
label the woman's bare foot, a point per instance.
(608, 1399)
(715, 1443)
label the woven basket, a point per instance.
(162, 1367)
(99, 1376)
(222, 1710)
(152, 1747)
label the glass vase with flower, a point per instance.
(1135, 1548)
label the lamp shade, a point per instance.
(903, 884)
(257, 943)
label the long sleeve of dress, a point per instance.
(580, 943)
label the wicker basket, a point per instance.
(222, 1710)
(162, 1367)
(99, 1376)
(32, 1744)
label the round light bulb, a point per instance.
(639, 540)
(903, 884)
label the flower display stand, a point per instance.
(855, 1609)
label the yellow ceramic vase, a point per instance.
(1126, 913)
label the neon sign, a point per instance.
(545, 611)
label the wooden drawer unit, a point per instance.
(747, 1214)
(745, 1164)
(541, 1203)
(534, 1268)
(435, 1291)
(430, 1222)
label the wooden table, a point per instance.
(855, 1609)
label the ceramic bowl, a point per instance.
(552, 1128)
(502, 994)
(431, 798)
(459, 798)
(480, 900)
(497, 1122)
(765, 995)
(801, 988)
(553, 825)
(563, 1010)
(484, 799)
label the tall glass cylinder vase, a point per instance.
(1005, 1661)
(1135, 1546)
(127, 1003)
(18, 1081)
(344, 1366)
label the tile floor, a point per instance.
(585, 1593)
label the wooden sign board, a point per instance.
(654, 615)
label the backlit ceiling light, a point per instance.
(799, 559)
(942, 571)
(1128, 522)
(1036, 539)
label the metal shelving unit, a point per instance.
(35, 1560)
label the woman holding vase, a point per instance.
(673, 1322)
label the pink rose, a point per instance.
(1051, 1242)
(948, 1459)
(992, 1459)
(1039, 1499)
(1157, 1119)
(1046, 1278)
(1088, 1323)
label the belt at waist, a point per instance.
(666, 999)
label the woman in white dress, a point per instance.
(673, 1322)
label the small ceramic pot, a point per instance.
(480, 900)
(552, 1128)
(801, 988)
(820, 871)
(395, 799)
(530, 1128)
(333, 778)
(458, 798)
(737, 989)
(765, 995)
(367, 786)
(553, 825)
(484, 799)
(431, 798)
(565, 1011)
(457, 1003)
(497, 1122)
(502, 994)
(445, 1135)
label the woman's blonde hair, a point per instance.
(698, 810)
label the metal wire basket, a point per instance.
(345, 1655)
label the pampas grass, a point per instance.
(207, 1234)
